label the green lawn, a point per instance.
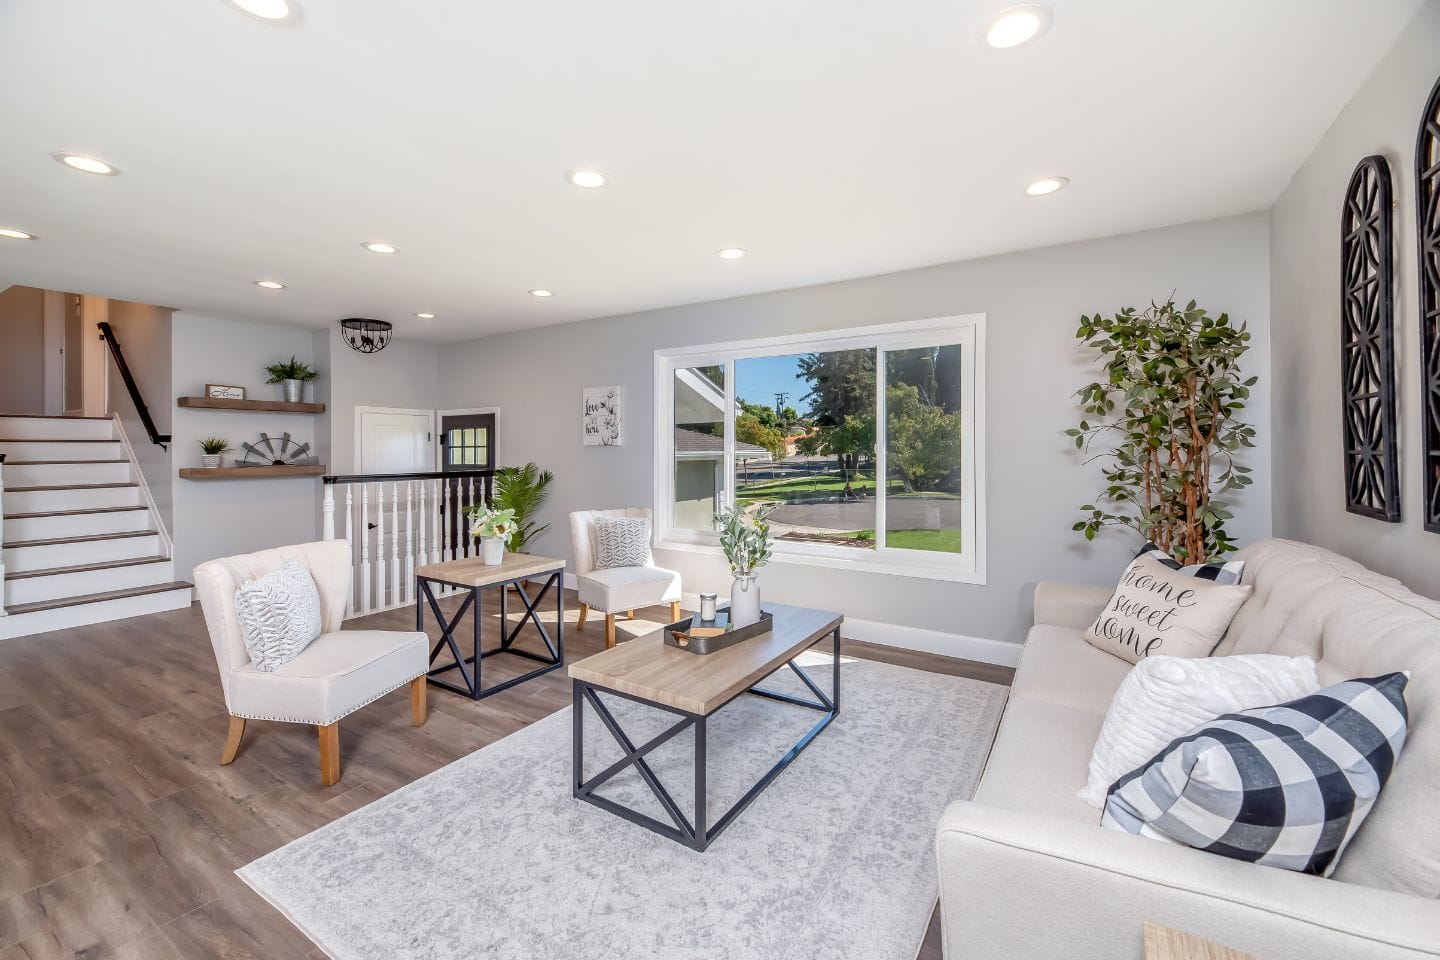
(797, 488)
(941, 541)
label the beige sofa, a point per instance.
(1027, 872)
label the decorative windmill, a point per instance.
(278, 451)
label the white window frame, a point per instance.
(967, 330)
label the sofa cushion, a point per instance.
(1058, 666)
(1039, 760)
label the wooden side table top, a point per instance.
(1164, 943)
(645, 667)
(474, 572)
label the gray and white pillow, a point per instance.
(1284, 786)
(622, 542)
(279, 615)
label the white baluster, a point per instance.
(469, 498)
(447, 520)
(410, 539)
(424, 519)
(394, 544)
(327, 514)
(380, 602)
(350, 539)
(364, 548)
(2, 536)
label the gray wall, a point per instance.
(22, 368)
(1305, 275)
(1032, 301)
(403, 375)
(144, 334)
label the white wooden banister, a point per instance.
(2, 534)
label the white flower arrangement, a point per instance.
(487, 523)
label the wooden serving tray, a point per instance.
(694, 635)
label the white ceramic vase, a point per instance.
(210, 460)
(492, 551)
(745, 601)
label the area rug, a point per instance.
(491, 856)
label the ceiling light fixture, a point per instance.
(11, 233)
(1047, 185)
(379, 246)
(587, 178)
(1016, 25)
(425, 316)
(731, 253)
(86, 164)
(365, 335)
(541, 293)
(270, 284)
(271, 11)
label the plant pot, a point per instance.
(210, 460)
(294, 389)
(492, 551)
(745, 601)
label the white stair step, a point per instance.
(75, 523)
(95, 608)
(21, 556)
(61, 450)
(29, 473)
(72, 497)
(68, 428)
(52, 583)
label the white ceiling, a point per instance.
(832, 138)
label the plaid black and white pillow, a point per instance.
(1228, 572)
(1284, 786)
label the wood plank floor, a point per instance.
(119, 829)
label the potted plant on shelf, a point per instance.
(492, 528)
(745, 539)
(292, 374)
(210, 450)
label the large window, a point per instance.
(864, 446)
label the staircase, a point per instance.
(80, 543)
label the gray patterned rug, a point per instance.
(490, 857)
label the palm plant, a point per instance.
(523, 490)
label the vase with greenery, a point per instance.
(292, 374)
(1165, 418)
(522, 490)
(210, 449)
(492, 527)
(745, 540)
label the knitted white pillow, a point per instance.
(279, 615)
(1167, 697)
(622, 542)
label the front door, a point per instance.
(468, 441)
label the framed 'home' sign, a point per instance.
(223, 391)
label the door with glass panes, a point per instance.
(467, 444)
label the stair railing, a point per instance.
(108, 335)
(2, 534)
(397, 522)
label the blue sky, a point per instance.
(758, 380)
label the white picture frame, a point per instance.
(602, 416)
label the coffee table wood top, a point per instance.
(701, 684)
(1165, 943)
(474, 572)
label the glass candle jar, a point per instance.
(707, 606)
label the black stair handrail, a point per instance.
(108, 335)
(432, 475)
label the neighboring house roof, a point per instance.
(694, 445)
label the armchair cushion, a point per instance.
(625, 588)
(334, 676)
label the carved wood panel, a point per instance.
(1427, 230)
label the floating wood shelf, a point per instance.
(265, 406)
(251, 473)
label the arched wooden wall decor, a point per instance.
(1367, 343)
(1427, 230)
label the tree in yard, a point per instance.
(922, 440)
(842, 403)
(749, 429)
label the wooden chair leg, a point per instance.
(609, 630)
(329, 754)
(584, 612)
(232, 740)
(629, 614)
(674, 611)
(419, 705)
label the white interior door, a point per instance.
(395, 441)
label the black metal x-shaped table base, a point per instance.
(692, 831)
(471, 667)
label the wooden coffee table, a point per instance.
(693, 687)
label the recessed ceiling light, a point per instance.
(270, 284)
(731, 253)
(1046, 185)
(590, 179)
(1015, 26)
(13, 234)
(541, 293)
(273, 11)
(425, 316)
(379, 246)
(86, 164)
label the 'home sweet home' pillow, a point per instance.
(1157, 610)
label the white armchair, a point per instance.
(615, 589)
(341, 671)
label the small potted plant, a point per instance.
(292, 374)
(211, 448)
(492, 528)
(745, 539)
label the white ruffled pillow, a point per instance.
(279, 615)
(1166, 697)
